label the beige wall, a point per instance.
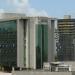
(40, 73)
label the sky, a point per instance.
(53, 8)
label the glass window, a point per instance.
(42, 44)
(8, 32)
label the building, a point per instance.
(66, 41)
(26, 42)
(11, 15)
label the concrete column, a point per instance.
(28, 44)
(51, 42)
(20, 43)
(33, 43)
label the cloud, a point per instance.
(1, 11)
(23, 6)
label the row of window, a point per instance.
(7, 45)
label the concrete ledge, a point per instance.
(40, 73)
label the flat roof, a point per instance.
(25, 17)
(56, 63)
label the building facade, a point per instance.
(66, 41)
(27, 42)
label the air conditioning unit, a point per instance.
(63, 68)
(46, 66)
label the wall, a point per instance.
(40, 73)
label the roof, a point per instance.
(24, 17)
(56, 63)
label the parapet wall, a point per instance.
(40, 73)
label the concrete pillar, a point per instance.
(20, 43)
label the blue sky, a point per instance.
(56, 8)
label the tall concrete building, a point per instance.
(66, 42)
(26, 42)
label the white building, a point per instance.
(33, 43)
